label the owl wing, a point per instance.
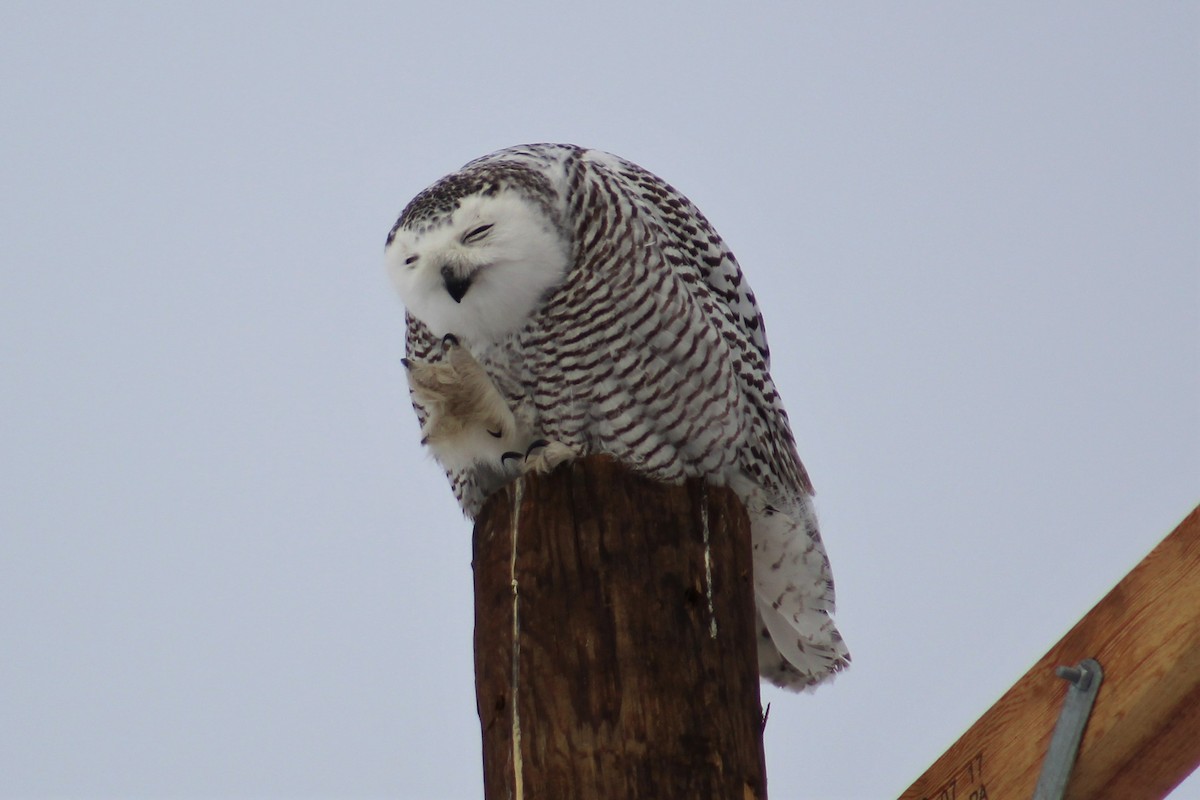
(705, 264)
(679, 299)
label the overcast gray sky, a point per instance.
(228, 570)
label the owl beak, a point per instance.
(456, 286)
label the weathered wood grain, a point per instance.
(1143, 736)
(614, 640)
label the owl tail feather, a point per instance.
(799, 646)
(794, 661)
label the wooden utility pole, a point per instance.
(615, 649)
(1143, 735)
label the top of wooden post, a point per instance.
(615, 643)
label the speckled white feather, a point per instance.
(608, 316)
(517, 256)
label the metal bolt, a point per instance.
(1080, 676)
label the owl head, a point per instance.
(476, 253)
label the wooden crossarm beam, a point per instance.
(1143, 736)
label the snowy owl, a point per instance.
(564, 302)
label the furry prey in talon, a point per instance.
(564, 302)
(467, 422)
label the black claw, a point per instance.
(449, 340)
(497, 434)
(508, 455)
(407, 364)
(540, 443)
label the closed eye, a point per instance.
(475, 234)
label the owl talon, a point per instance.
(449, 340)
(510, 455)
(548, 456)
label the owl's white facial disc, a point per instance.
(481, 275)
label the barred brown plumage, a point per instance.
(610, 317)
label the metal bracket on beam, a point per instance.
(1084, 683)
